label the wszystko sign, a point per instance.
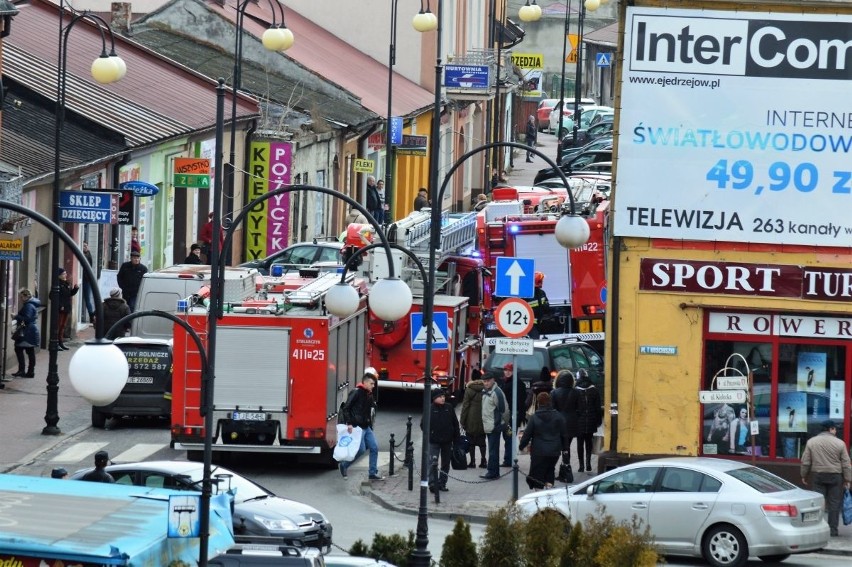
(723, 103)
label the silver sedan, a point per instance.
(721, 510)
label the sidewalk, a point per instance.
(23, 404)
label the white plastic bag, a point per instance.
(347, 443)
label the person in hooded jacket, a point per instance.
(585, 402)
(546, 431)
(559, 396)
(362, 413)
(114, 309)
(471, 421)
(27, 343)
(60, 294)
(443, 431)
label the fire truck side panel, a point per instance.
(588, 272)
(550, 258)
(246, 356)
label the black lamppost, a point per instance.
(390, 193)
(590, 5)
(106, 69)
(276, 38)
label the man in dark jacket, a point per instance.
(116, 308)
(560, 396)
(506, 386)
(443, 431)
(360, 410)
(546, 431)
(99, 474)
(130, 278)
(374, 200)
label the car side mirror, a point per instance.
(590, 492)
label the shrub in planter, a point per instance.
(501, 542)
(394, 548)
(459, 549)
(544, 537)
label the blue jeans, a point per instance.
(368, 441)
(494, 451)
(88, 299)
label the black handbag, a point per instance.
(18, 333)
(458, 457)
(565, 475)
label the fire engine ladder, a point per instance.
(311, 293)
(458, 232)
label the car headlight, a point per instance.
(276, 525)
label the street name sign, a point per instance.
(722, 396)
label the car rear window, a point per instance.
(761, 480)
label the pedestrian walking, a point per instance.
(495, 416)
(826, 460)
(361, 408)
(508, 434)
(60, 296)
(585, 401)
(114, 309)
(560, 397)
(130, 278)
(471, 421)
(98, 474)
(88, 297)
(134, 240)
(531, 135)
(443, 432)
(548, 435)
(374, 200)
(28, 337)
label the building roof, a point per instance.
(156, 101)
(29, 126)
(606, 36)
(335, 60)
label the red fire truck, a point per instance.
(283, 365)
(575, 281)
(397, 349)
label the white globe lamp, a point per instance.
(390, 299)
(342, 300)
(98, 372)
(572, 231)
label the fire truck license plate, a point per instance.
(248, 416)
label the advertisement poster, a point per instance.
(724, 103)
(793, 412)
(810, 376)
(835, 400)
(531, 66)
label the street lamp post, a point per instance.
(276, 38)
(590, 5)
(389, 190)
(107, 68)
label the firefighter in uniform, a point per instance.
(540, 305)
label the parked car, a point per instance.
(589, 112)
(260, 553)
(604, 143)
(555, 355)
(567, 112)
(601, 129)
(299, 255)
(542, 113)
(574, 163)
(722, 511)
(595, 167)
(257, 511)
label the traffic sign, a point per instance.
(515, 277)
(514, 318)
(722, 396)
(440, 331)
(603, 59)
(513, 346)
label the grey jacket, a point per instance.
(825, 453)
(495, 410)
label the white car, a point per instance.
(567, 114)
(720, 510)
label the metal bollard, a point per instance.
(434, 475)
(409, 455)
(392, 455)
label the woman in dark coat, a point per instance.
(546, 431)
(115, 308)
(61, 294)
(564, 386)
(471, 421)
(30, 339)
(585, 403)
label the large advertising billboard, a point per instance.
(268, 224)
(736, 126)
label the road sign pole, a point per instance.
(514, 428)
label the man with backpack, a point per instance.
(585, 402)
(359, 411)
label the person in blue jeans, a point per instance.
(361, 408)
(495, 416)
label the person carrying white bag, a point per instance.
(360, 410)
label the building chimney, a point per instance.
(121, 14)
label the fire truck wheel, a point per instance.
(99, 419)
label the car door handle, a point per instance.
(700, 506)
(639, 506)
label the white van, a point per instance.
(162, 289)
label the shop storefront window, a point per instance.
(800, 377)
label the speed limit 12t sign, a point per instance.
(514, 318)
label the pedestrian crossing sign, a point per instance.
(604, 59)
(440, 331)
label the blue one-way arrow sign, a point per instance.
(515, 277)
(603, 59)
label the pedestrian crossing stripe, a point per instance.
(80, 451)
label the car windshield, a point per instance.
(245, 489)
(761, 480)
(527, 364)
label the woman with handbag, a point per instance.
(546, 431)
(61, 294)
(26, 334)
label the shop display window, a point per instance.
(795, 387)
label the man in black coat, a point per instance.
(443, 431)
(360, 410)
(374, 200)
(130, 278)
(585, 402)
(98, 474)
